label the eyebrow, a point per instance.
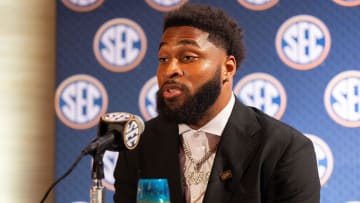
(183, 42)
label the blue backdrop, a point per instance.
(302, 67)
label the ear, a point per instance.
(230, 67)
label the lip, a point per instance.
(171, 90)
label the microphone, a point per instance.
(117, 131)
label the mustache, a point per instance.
(173, 83)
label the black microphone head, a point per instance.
(126, 127)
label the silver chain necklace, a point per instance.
(196, 177)
(200, 162)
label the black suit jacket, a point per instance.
(259, 160)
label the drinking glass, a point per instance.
(153, 191)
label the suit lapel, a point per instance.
(161, 156)
(236, 149)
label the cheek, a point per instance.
(160, 76)
(203, 71)
(201, 75)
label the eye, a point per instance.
(163, 59)
(188, 58)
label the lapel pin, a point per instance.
(225, 175)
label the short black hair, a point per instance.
(223, 31)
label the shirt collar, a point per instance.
(216, 125)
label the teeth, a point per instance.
(170, 90)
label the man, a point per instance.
(209, 146)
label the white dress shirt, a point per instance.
(199, 142)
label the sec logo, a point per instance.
(147, 99)
(109, 160)
(120, 45)
(80, 100)
(258, 5)
(165, 5)
(303, 42)
(324, 156)
(132, 132)
(348, 3)
(82, 5)
(342, 98)
(264, 92)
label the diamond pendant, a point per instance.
(196, 177)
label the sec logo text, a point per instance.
(80, 101)
(120, 45)
(264, 92)
(303, 42)
(342, 98)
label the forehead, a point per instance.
(181, 33)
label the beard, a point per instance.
(195, 106)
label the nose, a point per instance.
(172, 70)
